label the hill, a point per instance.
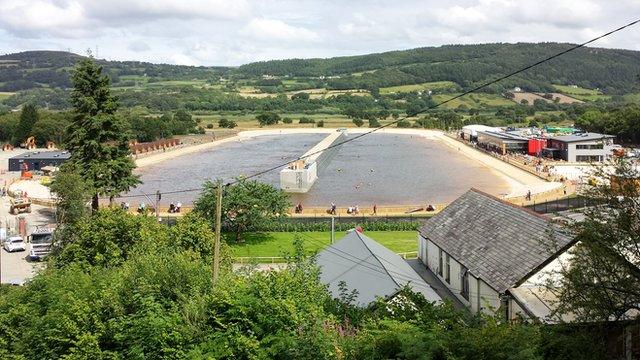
(50, 69)
(610, 70)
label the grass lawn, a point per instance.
(436, 85)
(279, 243)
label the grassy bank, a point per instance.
(279, 243)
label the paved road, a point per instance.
(15, 267)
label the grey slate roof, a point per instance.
(370, 268)
(582, 137)
(44, 155)
(499, 242)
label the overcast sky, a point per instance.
(233, 32)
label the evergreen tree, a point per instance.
(97, 138)
(28, 118)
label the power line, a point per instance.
(431, 107)
(363, 262)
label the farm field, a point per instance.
(279, 243)
(4, 95)
(437, 85)
(581, 93)
(477, 100)
(248, 121)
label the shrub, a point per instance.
(403, 124)
(268, 118)
(358, 122)
(287, 120)
(209, 126)
(320, 123)
(373, 123)
(226, 123)
(306, 120)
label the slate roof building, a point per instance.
(480, 247)
(370, 268)
(36, 160)
(582, 147)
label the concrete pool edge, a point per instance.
(518, 180)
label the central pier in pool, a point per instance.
(300, 175)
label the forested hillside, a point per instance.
(50, 69)
(613, 71)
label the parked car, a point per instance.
(15, 243)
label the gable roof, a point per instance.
(370, 268)
(499, 242)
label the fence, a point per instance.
(281, 259)
(561, 205)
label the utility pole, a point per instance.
(158, 198)
(333, 229)
(216, 244)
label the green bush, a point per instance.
(306, 120)
(268, 118)
(209, 126)
(320, 123)
(374, 123)
(358, 122)
(293, 225)
(287, 120)
(226, 123)
(403, 124)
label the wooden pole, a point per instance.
(216, 244)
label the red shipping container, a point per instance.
(536, 146)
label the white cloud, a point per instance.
(40, 18)
(232, 32)
(182, 59)
(139, 46)
(269, 29)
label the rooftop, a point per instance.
(504, 135)
(43, 155)
(499, 242)
(370, 268)
(582, 137)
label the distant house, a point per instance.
(482, 247)
(369, 268)
(581, 147)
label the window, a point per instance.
(447, 270)
(465, 283)
(589, 147)
(588, 158)
(440, 262)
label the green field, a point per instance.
(178, 83)
(581, 93)
(477, 100)
(437, 85)
(4, 95)
(570, 90)
(279, 243)
(632, 98)
(246, 121)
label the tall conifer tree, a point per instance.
(98, 138)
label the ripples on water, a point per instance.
(385, 169)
